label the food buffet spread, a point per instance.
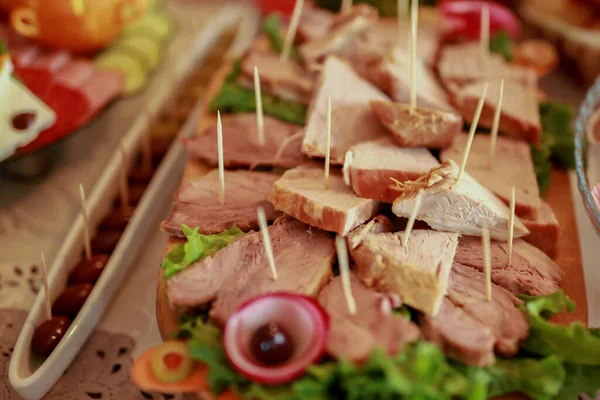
(371, 207)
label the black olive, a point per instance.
(271, 345)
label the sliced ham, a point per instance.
(469, 327)
(240, 142)
(37, 74)
(520, 115)
(512, 166)
(354, 336)
(345, 29)
(462, 63)
(101, 89)
(197, 203)
(417, 272)
(224, 278)
(544, 230)
(418, 127)
(302, 193)
(448, 205)
(372, 166)
(392, 75)
(352, 121)
(297, 270)
(315, 23)
(284, 79)
(531, 271)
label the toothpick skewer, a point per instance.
(496, 123)
(346, 6)
(260, 123)
(87, 244)
(220, 155)
(487, 259)
(414, 24)
(342, 252)
(124, 189)
(264, 229)
(472, 132)
(484, 35)
(328, 146)
(413, 217)
(147, 145)
(46, 291)
(401, 14)
(291, 33)
(511, 226)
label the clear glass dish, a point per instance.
(584, 149)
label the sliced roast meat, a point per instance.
(512, 166)
(469, 327)
(354, 336)
(371, 167)
(544, 230)
(303, 193)
(463, 206)
(241, 270)
(531, 271)
(284, 79)
(241, 148)
(379, 224)
(197, 203)
(418, 127)
(417, 272)
(315, 22)
(289, 154)
(520, 115)
(352, 121)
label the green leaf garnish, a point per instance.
(502, 44)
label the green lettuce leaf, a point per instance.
(558, 135)
(197, 246)
(573, 343)
(501, 44)
(3, 48)
(272, 29)
(580, 379)
(542, 166)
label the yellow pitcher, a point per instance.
(82, 26)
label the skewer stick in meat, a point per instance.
(472, 132)
(511, 227)
(46, 291)
(414, 26)
(496, 123)
(328, 145)
(413, 217)
(342, 253)
(124, 189)
(401, 14)
(291, 33)
(264, 229)
(147, 144)
(487, 260)
(260, 122)
(87, 241)
(484, 35)
(346, 6)
(220, 156)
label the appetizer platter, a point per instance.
(103, 241)
(362, 219)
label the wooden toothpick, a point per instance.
(472, 132)
(412, 218)
(496, 123)
(487, 259)
(124, 188)
(346, 6)
(147, 144)
(291, 33)
(414, 24)
(87, 243)
(46, 290)
(401, 14)
(484, 35)
(342, 252)
(511, 227)
(260, 123)
(264, 229)
(220, 156)
(328, 145)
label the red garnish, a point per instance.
(538, 54)
(172, 360)
(300, 316)
(462, 19)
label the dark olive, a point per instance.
(23, 120)
(71, 299)
(140, 175)
(88, 271)
(160, 146)
(47, 336)
(271, 345)
(106, 241)
(117, 220)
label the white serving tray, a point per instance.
(31, 377)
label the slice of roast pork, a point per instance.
(544, 230)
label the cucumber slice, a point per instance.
(132, 69)
(155, 24)
(146, 48)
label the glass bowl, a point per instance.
(585, 151)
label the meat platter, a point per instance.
(389, 271)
